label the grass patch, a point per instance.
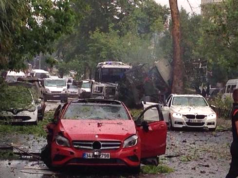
(7, 155)
(156, 169)
(37, 130)
(135, 113)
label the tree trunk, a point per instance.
(177, 84)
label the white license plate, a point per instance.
(194, 121)
(91, 156)
(16, 120)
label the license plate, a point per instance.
(16, 120)
(56, 96)
(194, 121)
(100, 156)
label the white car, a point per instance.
(85, 87)
(21, 106)
(192, 111)
(55, 89)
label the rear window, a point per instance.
(79, 111)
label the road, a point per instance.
(191, 153)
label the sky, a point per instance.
(184, 3)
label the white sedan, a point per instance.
(192, 111)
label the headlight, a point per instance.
(211, 116)
(64, 91)
(32, 108)
(177, 115)
(62, 141)
(131, 141)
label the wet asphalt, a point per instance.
(190, 153)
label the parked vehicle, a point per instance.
(20, 104)
(12, 76)
(104, 90)
(192, 111)
(73, 91)
(39, 73)
(230, 86)
(55, 89)
(85, 88)
(96, 132)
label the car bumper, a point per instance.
(73, 95)
(56, 96)
(65, 156)
(23, 116)
(199, 123)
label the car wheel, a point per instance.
(46, 156)
(135, 170)
(151, 161)
(212, 129)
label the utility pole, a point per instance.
(178, 72)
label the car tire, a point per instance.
(46, 156)
(135, 170)
(212, 129)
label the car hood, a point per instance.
(56, 88)
(104, 129)
(192, 110)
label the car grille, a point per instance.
(55, 92)
(192, 116)
(103, 145)
(195, 124)
(15, 118)
(96, 161)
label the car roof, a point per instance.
(98, 101)
(54, 79)
(39, 71)
(187, 95)
(13, 73)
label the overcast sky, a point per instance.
(184, 3)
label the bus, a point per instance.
(110, 71)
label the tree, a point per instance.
(177, 85)
(114, 30)
(29, 27)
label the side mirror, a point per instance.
(213, 106)
(67, 86)
(145, 126)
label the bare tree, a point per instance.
(177, 85)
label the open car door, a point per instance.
(152, 130)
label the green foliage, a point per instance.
(121, 30)
(14, 97)
(156, 169)
(29, 27)
(7, 155)
(223, 106)
(37, 130)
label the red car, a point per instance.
(96, 132)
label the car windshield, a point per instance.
(55, 83)
(80, 111)
(188, 101)
(86, 85)
(73, 87)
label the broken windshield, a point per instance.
(99, 112)
(189, 101)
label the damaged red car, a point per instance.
(96, 132)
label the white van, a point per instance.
(55, 89)
(39, 73)
(12, 76)
(230, 86)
